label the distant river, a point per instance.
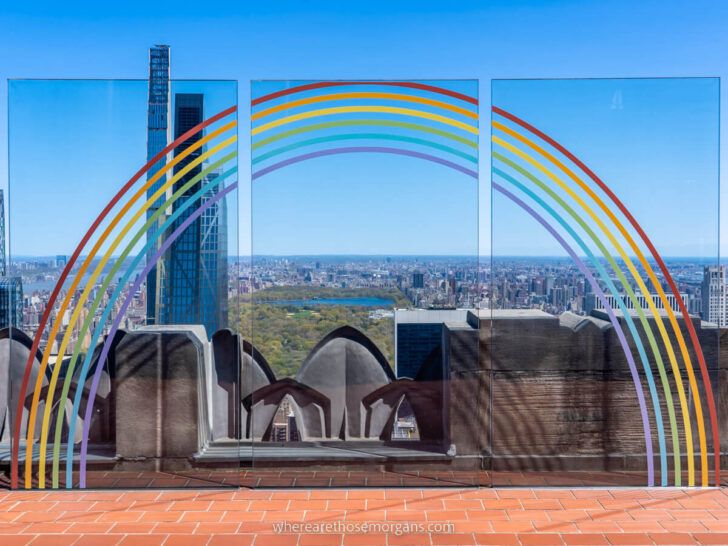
(363, 302)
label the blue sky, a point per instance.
(322, 40)
(654, 142)
(74, 143)
(366, 203)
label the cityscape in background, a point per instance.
(196, 282)
(550, 284)
(284, 305)
(190, 283)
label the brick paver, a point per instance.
(391, 516)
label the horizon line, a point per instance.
(377, 255)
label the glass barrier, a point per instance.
(364, 287)
(607, 293)
(362, 341)
(121, 280)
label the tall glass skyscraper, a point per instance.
(158, 132)
(194, 280)
(11, 302)
(213, 261)
(179, 299)
(189, 284)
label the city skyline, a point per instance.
(482, 257)
(188, 282)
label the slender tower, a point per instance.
(11, 288)
(195, 282)
(158, 136)
(179, 300)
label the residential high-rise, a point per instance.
(418, 280)
(158, 131)
(179, 298)
(193, 277)
(714, 294)
(189, 284)
(11, 288)
(11, 302)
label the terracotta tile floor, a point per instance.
(296, 477)
(478, 516)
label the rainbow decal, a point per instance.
(417, 120)
(216, 137)
(527, 163)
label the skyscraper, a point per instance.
(189, 283)
(11, 288)
(11, 302)
(213, 262)
(193, 276)
(715, 295)
(179, 300)
(157, 139)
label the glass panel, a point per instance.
(605, 260)
(364, 284)
(124, 216)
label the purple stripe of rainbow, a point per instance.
(612, 318)
(364, 149)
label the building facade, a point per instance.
(593, 303)
(11, 288)
(713, 292)
(11, 302)
(179, 301)
(417, 333)
(189, 283)
(213, 261)
(193, 280)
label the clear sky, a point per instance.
(654, 142)
(74, 143)
(372, 39)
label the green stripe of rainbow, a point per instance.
(449, 117)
